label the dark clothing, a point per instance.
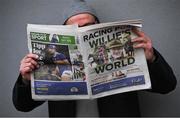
(124, 104)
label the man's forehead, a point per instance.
(81, 19)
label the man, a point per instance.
(62, 63)
(54, 39)
(126, 104)
(116, 50)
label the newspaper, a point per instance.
(88, 62)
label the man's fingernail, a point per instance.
(37, 56)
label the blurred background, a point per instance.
(161, 21)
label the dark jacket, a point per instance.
(125, 104)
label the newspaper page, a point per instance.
(111, 63)
(60, 75)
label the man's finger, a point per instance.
(141, 45)
(30, 65)
(32, 61)
(34, 56)
(138, 32)
(138, 39)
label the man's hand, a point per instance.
(143, 41)
(28, 64)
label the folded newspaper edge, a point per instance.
(136, 23)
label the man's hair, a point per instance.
(78, 7)
(51, 46)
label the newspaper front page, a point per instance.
(86, 63)
(112, 64)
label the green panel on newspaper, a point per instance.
(63, 39)
(39, 36)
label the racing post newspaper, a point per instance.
(88, 62)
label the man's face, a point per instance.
(54, 35)
(116, 52)
(51, 50)
(83, 19)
